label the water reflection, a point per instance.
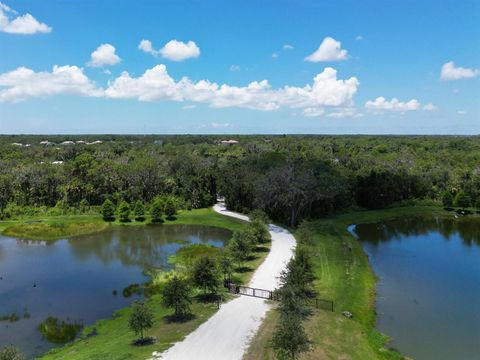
(75, 278)
(428, 295)
(467, 228)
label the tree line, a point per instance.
(291, 178)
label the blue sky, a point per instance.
(378, 71)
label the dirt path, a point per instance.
(226, 335)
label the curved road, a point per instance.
(226, 335)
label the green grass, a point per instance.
(344, 276)
(58, 227)
(113, 340)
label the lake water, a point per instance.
(74, 279)
(428, 296)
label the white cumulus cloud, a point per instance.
(380, 104)
(155, 84)
(329, 50)
(174, 50)
(178, 51)
(451, 72)
(104, 55)
(11, 22)
(287, 47)
(23, 83)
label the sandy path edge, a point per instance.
(226, 335)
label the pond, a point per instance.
(81, 279)
(428, 295)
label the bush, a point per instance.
(139, 211)
(447, 199)
(108, 210)
(170, 207)
(289, 339)
(259, 231)
(11, 353)
(462, 200)
(156, 210)
(124, 211)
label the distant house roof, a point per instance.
(17, 144)
(229, 142)
(57, 162)
(68, 142)
(81, 142)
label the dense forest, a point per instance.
(290, 177)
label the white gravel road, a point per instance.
(226, 335)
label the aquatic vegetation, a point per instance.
(59, 332)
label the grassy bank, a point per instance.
(111, 338)
(58, 227)
(343, 275)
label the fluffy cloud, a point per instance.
(313, 112)
(156, 84)
(23, 83)
(174, 50)
(380, 104)
(450, 72)
(287, 47)
(329, 50)
(234, 68)
(104, 55)
(146, 46)
(178, 51)
(21, 24)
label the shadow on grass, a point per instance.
(140, 219)
(109, 218)
(125, 220)
(157, 221)
(261, 249)
(208, 298)
(178, 318)
(171, 218)
(243, 269)
(144, 342)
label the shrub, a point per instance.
(124, 211)
(447, 199)
(11, 353)
(139, 211)
(156, 210)
(108, 210)
(462, 200)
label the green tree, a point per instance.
(462, 199)
(108, 210)
(139, 211)
(140, 319)
(258, 231)
(170, 207)
(205, 274)
(124, 211)
(289, 339)
(156, 210)
(226, 265)
(176, 294)
(240, 247)
(11, 353)
(447, 199)
(477, 203)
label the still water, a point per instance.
(428, 295)
(74, 279)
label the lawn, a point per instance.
(343, 275)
